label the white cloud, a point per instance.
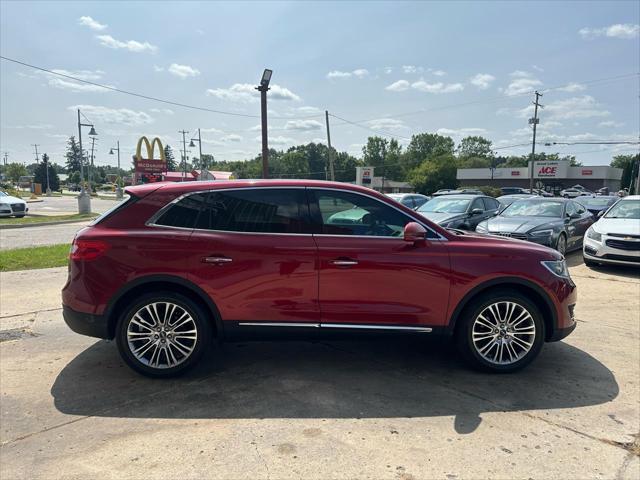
(121, 116)
(308, 109)
(461, 132)
(571, 108)
(211, 130)
(232, 137)
(36, 126)
(183, 71)
(91, 23)
(278, 140)
(572, 87)
(156, 68)
(410, 69)
(439, 73)
(57, 136)
(255, 128)
(131, 45)
(387, 70)
(618, 30)
(246, 92)
(482, 80)
(81, 74)
(438, 87)
(303, 125)
(166, 111)
(399, 86)
(611, 123)
(386, 124)
(358, 73)
(523, 82)
(65, 84)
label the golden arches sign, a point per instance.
(150, 148)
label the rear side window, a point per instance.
(477, 203)
(115, 209)
(490, 203)
(184, 213)
(268, 210)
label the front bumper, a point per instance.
(601, 252)
(86, 323)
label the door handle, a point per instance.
(344, 262)
(217, 260)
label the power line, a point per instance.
(148, 97)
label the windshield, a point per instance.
(395, 196)
(528, 208)
(591, 202)
(2, 194)
(625, 209)
(446, 205)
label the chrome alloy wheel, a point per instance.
(503, 333)
(162, 335)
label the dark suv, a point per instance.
(178, 264)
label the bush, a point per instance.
(487, 190)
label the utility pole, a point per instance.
(35, 145)
(90, 172)
(331, 170)
(45, 160)
(6, 154)
(534, 121)
(263, 88)
(184, 154)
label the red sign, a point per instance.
(547, 171)
(515, 173)
(150, 166)
(587, 172)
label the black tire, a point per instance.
(199, 320)
(19, 216)
(562, 240)
(464, 332)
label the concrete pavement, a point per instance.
(67, 205)
(37, 236)
(399, 409)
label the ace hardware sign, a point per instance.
(551, 169)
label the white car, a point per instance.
(615, 238)
(575, 192)
(12, 206)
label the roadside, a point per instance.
(39, 235)
(8, 223)
(398, 409)
(34, 257)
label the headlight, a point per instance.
(557, 267)
(541, 233)
(593, 235)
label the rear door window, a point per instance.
(184, 213)
(257, 210)
(490, 203)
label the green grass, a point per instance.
(46, 219)
(34, 257)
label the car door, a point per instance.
(474, 220)
(369, 276)
(582, 223)
(491, 206)
(253, 253)
(571, 224)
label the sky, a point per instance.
(388, 68)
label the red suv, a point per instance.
(179, 264)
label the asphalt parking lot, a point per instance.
(406, 408)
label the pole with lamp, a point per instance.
(84, 199)
(192, 145)
(263, 88)
(118, 179)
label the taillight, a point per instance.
(87, 250)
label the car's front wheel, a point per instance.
(561, 244)
(163, 334)
(501, 332)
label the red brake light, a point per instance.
(87, 249)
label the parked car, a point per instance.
(603, 191)
(556, 223)
(411, 200)
(513, 191)
(443, 191)
(179, 263)
(615, 237)
(459, 211)
(467, 191)
(507, 200)
(12, 206)
(574, 192)
(597, 204)
(542, 193)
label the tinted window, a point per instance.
(184, 213)
(344, 213)
(490, 203)
(477, 203)
(260, 210)
(579, 208)
(571, 208)
(445, 205)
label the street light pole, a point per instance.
(535, 121)
(199, 140)
(118, 179)
(263, 88)
(84, 199)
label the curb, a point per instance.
(43, 224)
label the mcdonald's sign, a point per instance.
(149, 164)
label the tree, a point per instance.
(475, 146)
(73, 156)
(439, 172)
(170, 158)
(40, 174)
(14, 171)
(626, 163)
(426, 145)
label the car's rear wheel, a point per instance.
(501, 332)
(561, 244)
(163, 334)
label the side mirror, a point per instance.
(600, 213)
(414, 232)
(477, 211)
(575, 215)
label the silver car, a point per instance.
(12, 206)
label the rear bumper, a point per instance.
(86, 323)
